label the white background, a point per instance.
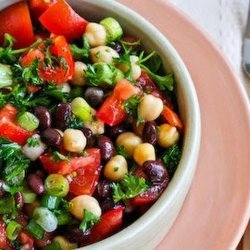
(225, 21)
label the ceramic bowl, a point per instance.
(149, 229)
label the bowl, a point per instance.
(149, 229)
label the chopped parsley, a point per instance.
(121, 151)
(89, 220)
(80, 53)
(172, 158)
(129, 187)
(33, 142)
(130, 105)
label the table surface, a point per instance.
(225, 22)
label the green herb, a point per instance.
(121, 151)
(59, 157)
(129, 187)
(100, 74)
(89, 220)
(12, 162)
(52, 90)
(98, 54)
(130, 105)
(33, 142)
(75, 122)
(151, 65)
(172, 158)
(13, 229)
(80, 53)
(7, 205)
(7, 54)
(30, 74)
(139, 121)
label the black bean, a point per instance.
(149, 133)
(51, 137)
(108, 204)
(104, 189)
(94, 96)
(74, 234)
(2, 192)
(116, 130)
(61, 115)
(106, 147)
(118, 48)
(89, 136)
(35, 182)
(19, 200)
(155, 170)
(43, 116)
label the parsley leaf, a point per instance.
(130, 105)
(89, 220)
(75, 122)
(172, 158)
(12, 162)
(80, 53)
(59, 157)
(121, 151)
(33, 142)
(129, 187)
(151, 64)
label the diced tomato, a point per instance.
(27, 240)
(52, 166)
(109, 224)
(3, 239)
(31, 56)
(87, 172)
(9, 129)
(8, 112)
(13, 132)
(33, 89)
(38, 7)
(172, 118)
(66, 167)
(61, 19)
(151, 195)
(62, 73)
(16, 21)
(111, 111)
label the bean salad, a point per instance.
(90, 134)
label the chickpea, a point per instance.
(135, 68)
(167, 135)
(64, 243)
(116, 168)
(96, 125)
(144, 152)
(150, 108)
(74, 140)
(103, 54)
(96, 34)
(81, 202)
(78, 78)
(65, 87)
(129, 141)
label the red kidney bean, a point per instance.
(35, 182)
(2, 192)
(116, 130)
(89, 136)
(43, 116)
(61, 115)
(51, 137)
(46, 240)
(18, 197)
(106, 147)
(149, 133)
(155, 170)
(104, 189)
(74, 234)
(94, 96)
